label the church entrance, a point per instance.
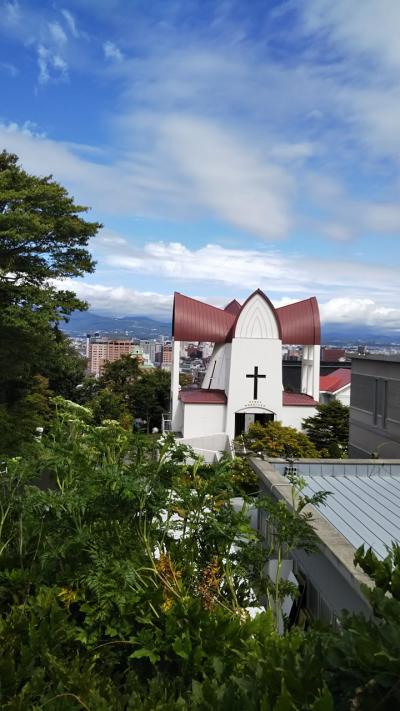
(243, 420)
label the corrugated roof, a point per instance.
(335, 381)
(364, 509)
(193, 320)
(299, 399)
(300, 322)
(203, 397)
(233, 307)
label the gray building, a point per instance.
(375, 406)
(361, 509)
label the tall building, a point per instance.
(100, 351)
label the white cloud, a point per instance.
(237, 270)
(359, 311)
(367, 29)
(119, 300)
(122, 301)
(51, 66)
(228, 175)
(57, 33)
(9, 68)
(70, 22)
(112, 52)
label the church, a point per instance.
(243, 381)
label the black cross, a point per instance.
(256, 376)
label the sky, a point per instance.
(225, 145)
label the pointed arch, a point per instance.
(257, 318)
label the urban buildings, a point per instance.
(100, 351)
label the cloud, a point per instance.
(360, 311)
(228, 175)
(122, 301)
(9, 69)
(367, 30)
(119, 300)
(70, 22)
(51, 66)
(235, 271)
(112, 52)
(57, 33)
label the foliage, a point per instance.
(329, 428)
(124, 392)
(132, 582)
(127, 584)
(42, 237)
(276, 440)
(363, 664)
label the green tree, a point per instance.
(42, 237)
(151, 395)
(120, 376)
(276, 440)
(329, 428)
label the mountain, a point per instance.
(133, 326)
(145, 327)
(341, 334)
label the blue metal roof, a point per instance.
(364, 505)
(364, 509)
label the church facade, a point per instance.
(243, 382)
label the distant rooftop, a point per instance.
(391, 358)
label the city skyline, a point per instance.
(225, 148)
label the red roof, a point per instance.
(300, 399)
(193, 320)
(300, 322)
(233, 307)
(203, 397)
(335, 381)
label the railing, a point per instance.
(166, 422)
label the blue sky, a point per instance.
(225, 145)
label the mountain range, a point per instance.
(144, 327)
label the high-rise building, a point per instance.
(100, 351)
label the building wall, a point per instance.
(246, 354)
(106, 351)
(343, 396)
(203, 419)
(293, 416)
(375, 408)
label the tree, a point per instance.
(276, 440)
(42, 237)
(151, 393)
(329, 428)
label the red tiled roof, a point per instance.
(193, 320)
(203, 397)
(300, 399)
(335, 381)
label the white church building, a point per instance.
(243, 382)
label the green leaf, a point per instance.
(143, 652)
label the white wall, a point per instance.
(344, 395)
(247, 353)
(202, 419)
(292, 416)
(216, 374)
